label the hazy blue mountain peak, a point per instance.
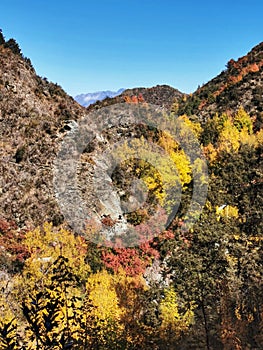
(92, 97)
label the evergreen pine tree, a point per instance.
(2, 39)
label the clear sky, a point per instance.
(86, 46)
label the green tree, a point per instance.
(198, 267)
(13, 46)
(2, 39)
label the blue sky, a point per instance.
(86, 46)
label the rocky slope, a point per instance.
(34, 116)
(241, 84)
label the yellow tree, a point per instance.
(229, 137)
(45, 245)
(174, 323)
(242, 120)
(105, 312)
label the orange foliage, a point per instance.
(108, 221)
(202, 105)
(11, 241)
(140, 98)
(133, 261)
(242, 69)
(134, 99)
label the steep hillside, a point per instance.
(34, 115)
(241, 84)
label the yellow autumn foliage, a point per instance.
(211, 153)
(45, 245)
(229, 137)
(259, 137)
(194, 126)
(103, 297)
(178, 156)
(237, 130)
(227, 211)
(159, 170)
(242, 120)
(172, 319)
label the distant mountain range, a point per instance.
(92, 97)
